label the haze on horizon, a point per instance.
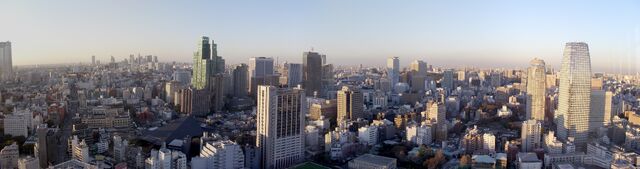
(444, 34)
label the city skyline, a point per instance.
(473, 34)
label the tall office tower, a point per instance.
(496, 79)
(419, 67)
(261, 72)
(46, 148)
(6, 65)
(217, 92)
(222, 154)
(202, 68)
(294, 74)
(536, 87)
(132, 59)
(200, 102)
(575, 94)
(600, 114)
(436, 113)
(447, 80)
(328, 80)
(393, 70)
(9, 156)
(280, 122)
(170, 89)
(530, 135)
(350, 104)
(93, 60)
(312, 65)
(240, 80)
(217, 62)
(462, 75)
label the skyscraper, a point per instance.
(530, 135)
(312, 65)
(280, 122)
(240, 80)
(294, 74)
(393, 70)
(575, 91)
(202, 67)
(261, 72)
(93, 60)
(447, 80)
(419, 67)
(350, 104)
(536, 87)
(6, 64)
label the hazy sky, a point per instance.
(484, 33)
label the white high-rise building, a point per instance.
(119, 148)
(419, 134)
(28, 163)
(79, 150)
(393, 70)
(222, 154)
(280, 123)
(15, 125)
(489, 142)
(368, 135)
(536, 90)
(165, 159)
(531, 135)
(178, 160)
(573, 111)
(6, 64)
(9, 156)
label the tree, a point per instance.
(434, 162)
(465, 161)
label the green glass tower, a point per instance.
(202, 69)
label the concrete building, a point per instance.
(119, 148)
(489, 142)
(14, 125)
(572, 115)
(368, 135)
(528, 161)
(222, 155)
(419, 134)
(28, 163)
(370, 161)
(350, 104)
(536, 90)
(280, 140)
(9, 156)
(530, 135)
(79, 150)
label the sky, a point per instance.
(465, 33)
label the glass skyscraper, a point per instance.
(572, 116)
